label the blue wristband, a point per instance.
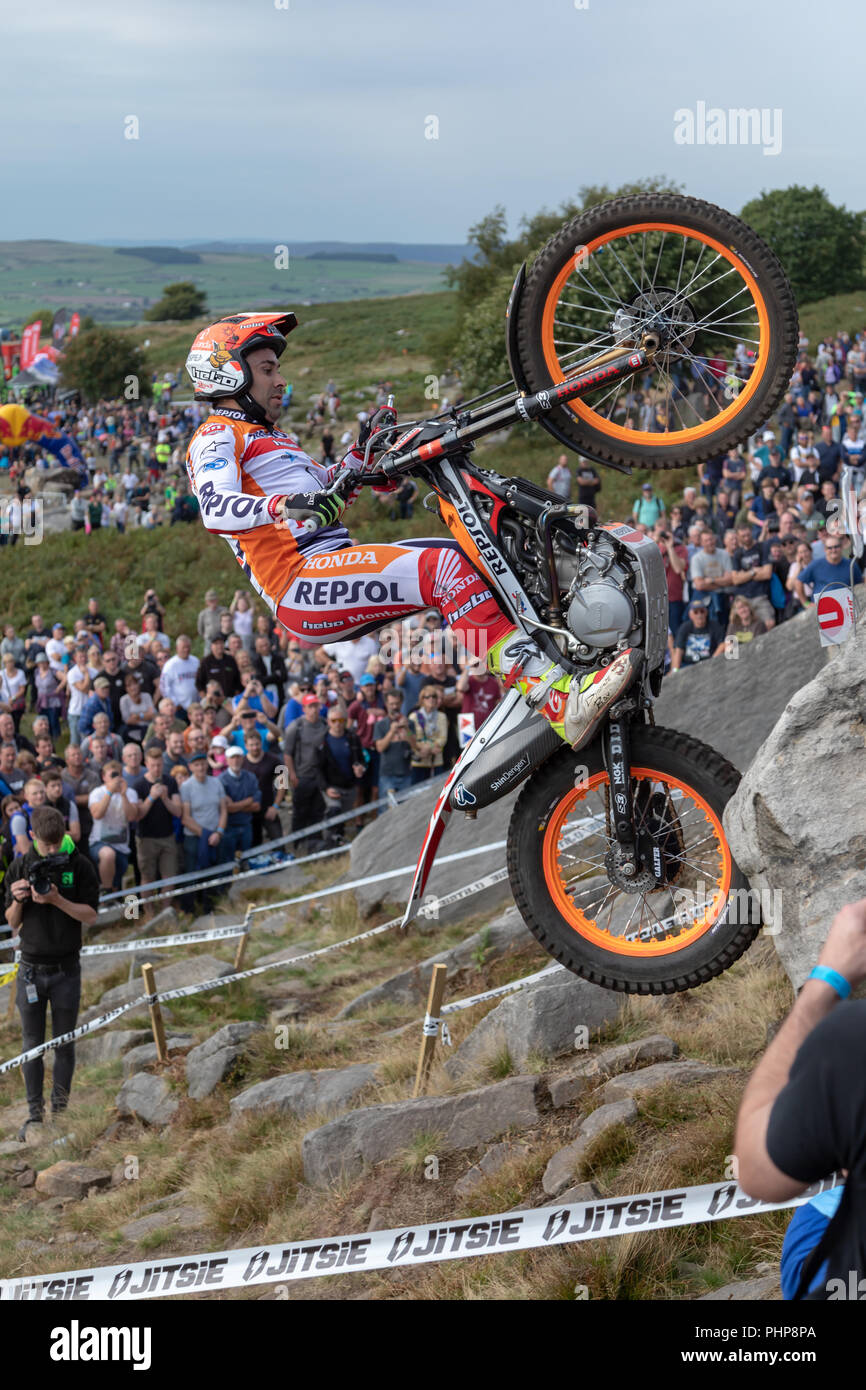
(832, 978)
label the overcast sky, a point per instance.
(308, 122)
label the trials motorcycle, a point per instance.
(653, 331)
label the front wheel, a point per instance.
(637, 936)
(696, 277)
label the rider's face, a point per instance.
(268, 386)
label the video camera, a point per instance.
(42, 875)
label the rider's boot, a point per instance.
(574, 705)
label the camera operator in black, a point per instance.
(51, 891)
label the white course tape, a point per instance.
(186, 991)
(190, 938)
(501, 989)
(538, 1228)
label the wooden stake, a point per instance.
(428, 1042)
(156, 1021)
(242, 941)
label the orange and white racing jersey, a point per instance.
(237, 468)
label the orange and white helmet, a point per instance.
(217, 359)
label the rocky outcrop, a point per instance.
(137, 1058)
(395, 839)
(504, 934)
(541, 1020)
(148, 1098)
(196, 970)
(74, 1180)
(569, 1086)
(209, 1063)
(345, 1146)
(683, 1073)
(110, 1044)
(305, 1092)
(795, 824)
(560, 1171)
(733, 705)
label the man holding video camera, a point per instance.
(51, 891)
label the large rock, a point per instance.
(733, 705)
(137, 1058)
(209, 1063)
(559, 1173)
(489, 1165)
(347, 1145)
(762, 1290)
(684, 1073)
(67, 1179)
(106, 1046)
(794, 825)
(395, 839)
(305, 1092)
(182, 1218)
(196, 970)
(540, 1020)
(570, 1086)
(147, 1097)
(506, 933)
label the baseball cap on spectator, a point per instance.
(368, 680)
(309, 700)
(197, 757)
(217, 637)
(696, 603)
(100, 680)
(58, 625)
(646, 487)
(235, 752)
(41, 656)
(768, 437)
(219, 741)
(211, 593)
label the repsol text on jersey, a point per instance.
(330, 593)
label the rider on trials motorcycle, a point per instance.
(257, 487)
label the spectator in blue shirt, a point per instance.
(831, 570)
(242, 794)
(97, 703)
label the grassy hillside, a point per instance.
(244, 1179)
(110, 286)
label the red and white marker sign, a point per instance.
(835, 616)
(466, 728)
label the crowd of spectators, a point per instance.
(171, 751)
(168, 753)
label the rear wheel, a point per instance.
(680, 267)
(633, 936)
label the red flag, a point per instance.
(30, 343)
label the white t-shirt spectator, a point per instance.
(75, 681)
(353, 656)
(144, 640)
(177, 680)
(130, 481)
(55, 650)
(11, 686)
(113, 827)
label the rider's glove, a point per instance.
(318, 508)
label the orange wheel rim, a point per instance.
(647, 438)
(588, 921)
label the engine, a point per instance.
(598, 591)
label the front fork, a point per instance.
(635, 849)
